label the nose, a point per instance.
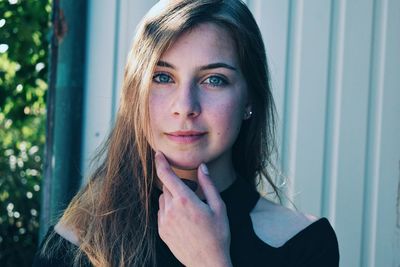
(186, 102)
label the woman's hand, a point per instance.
(196, 233)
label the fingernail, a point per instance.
(204, 169)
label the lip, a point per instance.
(185, 137)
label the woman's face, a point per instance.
(198, 98)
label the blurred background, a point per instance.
(24, 49)
(336, 82)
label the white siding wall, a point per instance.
(335, 73)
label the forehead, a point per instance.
(208, 41)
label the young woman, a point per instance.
(192, 141)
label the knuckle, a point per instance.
(182, 200)
(169, 215)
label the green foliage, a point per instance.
(24, 27)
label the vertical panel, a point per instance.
(290, 109)
(311, 95)
(353, 128)
(368, 241)
(387, 247)
(333, 109)
(99, 78)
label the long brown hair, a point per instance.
(113, 215)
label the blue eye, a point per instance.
(215, 81)
(162, 78)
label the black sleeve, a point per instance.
(319, 247)
(328, 249)
(59, 252)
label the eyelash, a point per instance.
(222, 81)
(157, 75)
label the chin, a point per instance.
(184, 163)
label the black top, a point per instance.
(316, 245)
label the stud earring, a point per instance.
(248, 114)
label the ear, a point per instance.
(248, 112)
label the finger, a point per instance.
(161, 203)
(167, 196)
(210, 191)
(160, 213)
(159, 218)
(168, 177)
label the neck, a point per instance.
(221, 173)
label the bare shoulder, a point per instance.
(275, 224)
(67, 233)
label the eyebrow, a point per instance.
(217, 65)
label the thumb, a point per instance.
(210, 191)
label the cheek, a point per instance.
(156, 110)
(228, 119)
